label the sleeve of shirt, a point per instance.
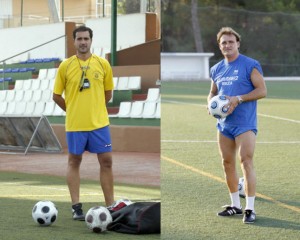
(255, 64)
(108, 79)
(59, 83)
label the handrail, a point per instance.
(3, 61)
(33, 48)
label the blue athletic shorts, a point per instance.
(96, 141)
(233, 131)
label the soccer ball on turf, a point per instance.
(242, 187)
(44, 213)
(97, 218)
(217, 106)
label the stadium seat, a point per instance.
(137, 109)
(116, 81)
(27, 95)
(37, 95)
(19, 95)
(3, 107)
(10, 96)
(123, 83)
(18, 84)
(149, 110)
(153, 95)
(134, 83)
(39, 108)
(10, 108)
(3, 95)
(49, 108)
(27, 84)
(46, 95)
(158, 112)
(58, 111)
(19, 108)
(51, 73)
(44, 84)
(124, 110)
(51, 84)
(35, 85)
(29, 108)
(42, 74)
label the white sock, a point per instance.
(250, 203)
(235, 199)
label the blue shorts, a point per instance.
(233, 131)
(96, 141)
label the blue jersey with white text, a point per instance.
(232, 79)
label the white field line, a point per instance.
(259, 114)
(209, 141)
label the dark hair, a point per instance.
(82, 29)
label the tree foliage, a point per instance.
(270, 30)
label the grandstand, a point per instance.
(26, 85)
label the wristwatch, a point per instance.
(240, 99)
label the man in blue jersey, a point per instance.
(240, 79)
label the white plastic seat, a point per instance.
(137, 109)
(116, 81)
(112, 97)
(123, 83)
(3, 107)
(27, 95)
(18, 84)
(29, 108)
(149, 110)
(19, 108)
(39, 108)
(37, 95)
(153, 95)
(134, 83)
(124, 110)
(51, 84)
(158, 112)
(51, 73)
(42, 74)
(10, 108)
(49, 108)
(10, 95)
(3, 95)
(27, 84)
(44, 84)
(35, 84)
(46, 95)
(58, 111)
(19, 95)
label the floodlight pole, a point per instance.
(113, 58)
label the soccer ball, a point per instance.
(242, 187)
(217, 108)
(44, 213)
(97, 218)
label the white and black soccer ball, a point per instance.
(97, 218)
(217, 106)
(44, 213)
(242, 187)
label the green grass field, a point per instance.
(19, 192)
(192, 180)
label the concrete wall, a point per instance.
(185, 66)
(131, 30)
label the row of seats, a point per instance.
(47, 73)
(138, 109)
(26, 95)
(16, 70)
(127, 83)
(41, 60)
(31, 108)
(34, 84)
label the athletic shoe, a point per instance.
(230, 211)
(77, 212)
(249, 216)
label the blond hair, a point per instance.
(228, 31)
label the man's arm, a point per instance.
(108, 95)
(60, 101)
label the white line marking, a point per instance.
(209, 141)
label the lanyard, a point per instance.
(83, 75)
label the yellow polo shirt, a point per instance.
(85, 110)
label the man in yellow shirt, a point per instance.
(86, 81)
